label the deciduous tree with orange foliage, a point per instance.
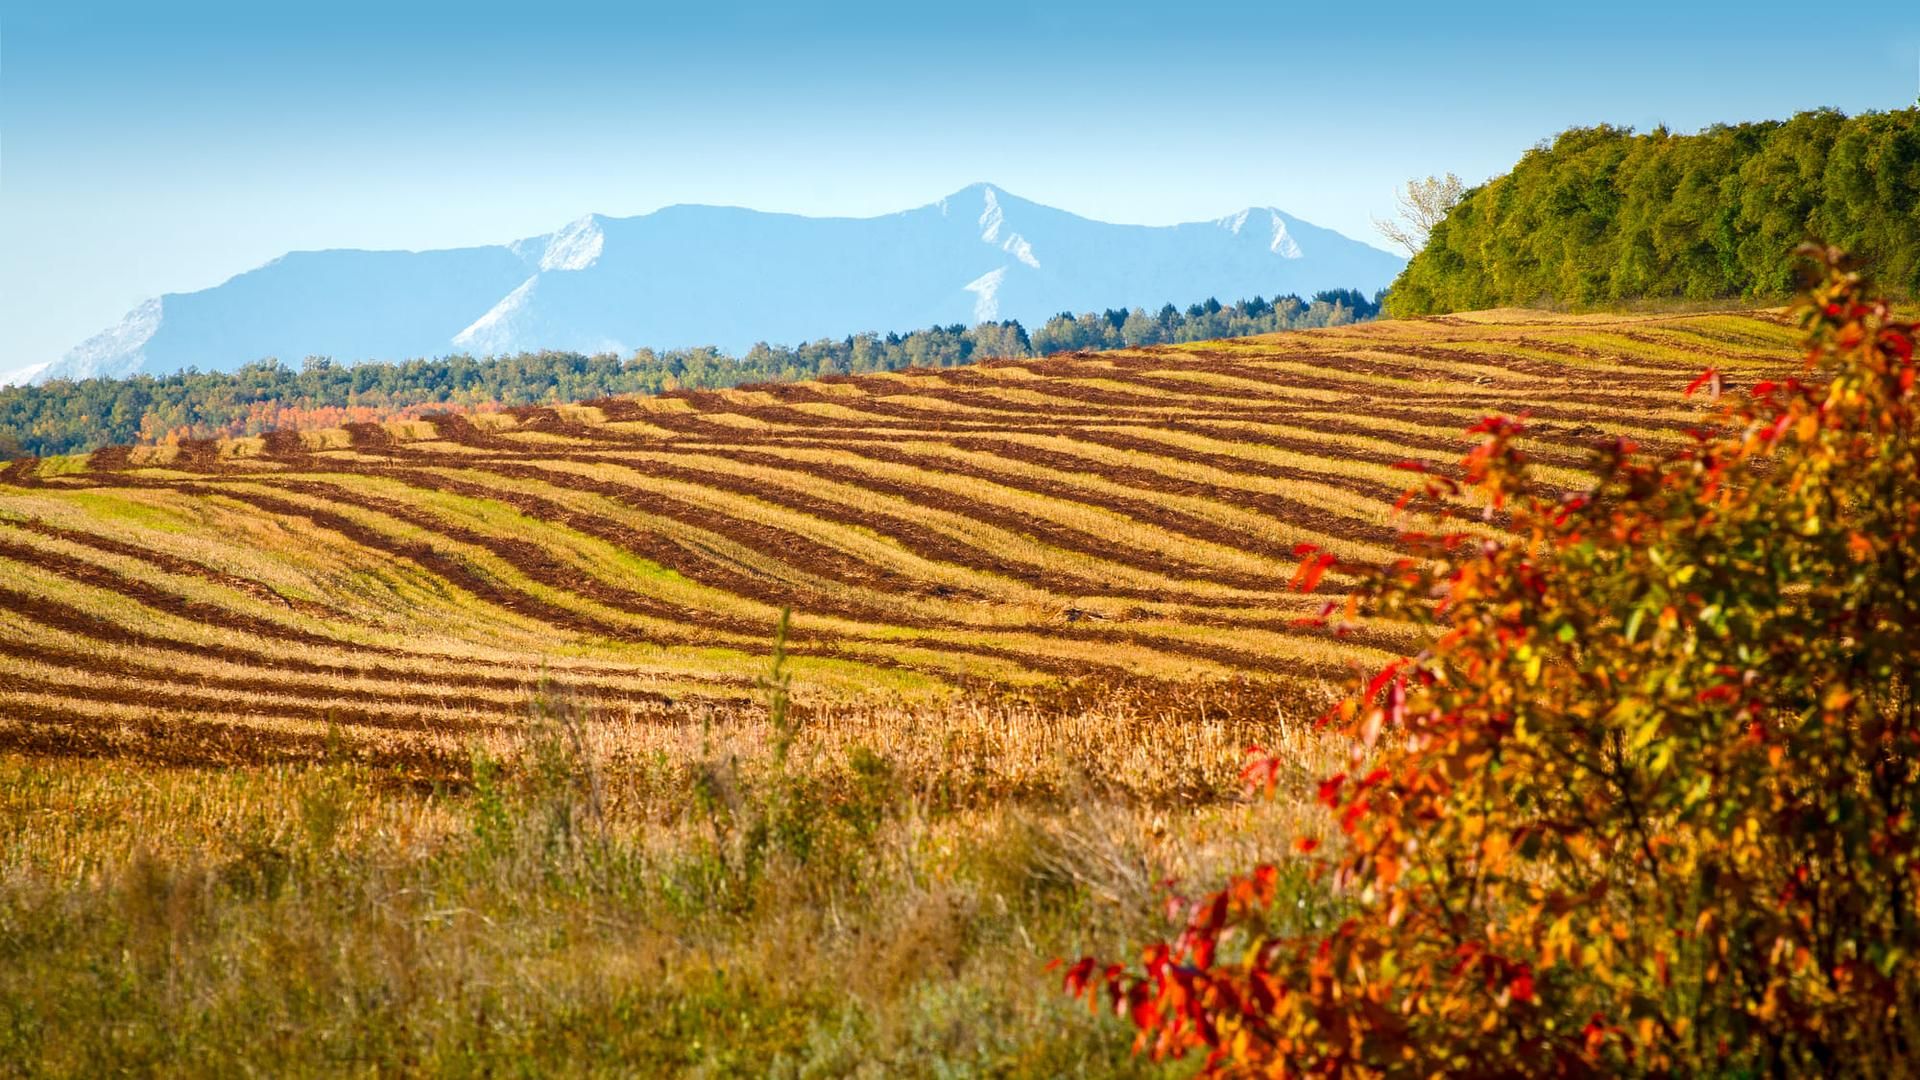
(1647, 803)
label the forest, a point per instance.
(64, 417)
(1604, 216)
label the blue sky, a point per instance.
(165, 147)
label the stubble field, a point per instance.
(447, 745)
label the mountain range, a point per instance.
(726, 276)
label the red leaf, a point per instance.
(1723, 692)
(1311, 571)
(1214, 918)
(1352, 814)
(1076, 979)
(1263, 772)
(1156, 959)
(1707, 376)
(1203, 953)
(1379, 682)
(1266, 879)
(1330, 790)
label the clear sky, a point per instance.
(163, 147)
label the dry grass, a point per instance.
(605, 894)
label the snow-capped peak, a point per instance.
(1017, 246)
(991, 218)
(23, 376)
(575, 247)
(1283, 243)
(115, 352)
(491, 333)
(986, 289)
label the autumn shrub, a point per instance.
(1646, 803)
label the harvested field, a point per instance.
(1126, 516)
(449, 747)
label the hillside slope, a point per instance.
(724, 276)
(1130, 513)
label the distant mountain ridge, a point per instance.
(711, 275)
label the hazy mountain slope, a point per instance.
(350, 304)
(726, 276)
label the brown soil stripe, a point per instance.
(686, 560)
(1284, 511)
(921, 540)
(526, 557)
(910, 535)
(70, 620)
(1222, 655)
(215, 703)
(769, 541)
(1058, 535)
(173, 564)
(160, 599)
(705, 571)
(1141, 509)
(1446, 450)
(1227, 463)
(1622, 371)
(1278, 507)
(540, 567)
(441, 564)
(731, 527)
(936, 546)
(1202, 421)
(1162, 645)
(201, 743)
(176, 678)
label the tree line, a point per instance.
(1604, 216)
(67, 416)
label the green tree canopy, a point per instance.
(1603, 216)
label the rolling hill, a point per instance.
(1128, 514)
(725, 276)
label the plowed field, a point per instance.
(1129, 515)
